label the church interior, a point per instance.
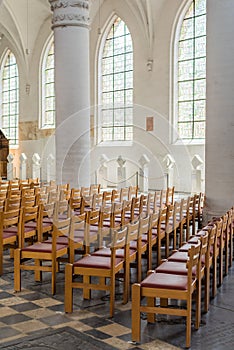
(116, 174)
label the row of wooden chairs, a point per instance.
(182, 273)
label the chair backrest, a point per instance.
(9, 218)
(85, 191)
(62, 210)
(170, 195)
(124, 194)
(154, 218)
(193, 261)
(12, 203)
(28, 214)
(94, 188)
(106, 197)
(132, 192)
(60, 228)
(144, 225)
(163, 198)
(28, 200)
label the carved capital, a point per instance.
(70, 13)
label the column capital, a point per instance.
(70, 13)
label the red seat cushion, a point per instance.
(9, 235)
(179, 256)
(98, 262)
(107, 252)
(174, 267)
(42, 247)
(165, 281)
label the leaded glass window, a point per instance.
(48, 109)
(10, 100)
(192, 73)
(117, 84)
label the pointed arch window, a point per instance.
(117, 84)
(10, 99)
(192, 73)
(48, 92)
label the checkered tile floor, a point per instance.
(34, 310)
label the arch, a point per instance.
(10, 98)
(46, 88)
(115, 83)
(188, 75)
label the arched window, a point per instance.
(10, 99)
(47, 88)
(192, 73)
(117, 84)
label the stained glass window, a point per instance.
(48, 93)
(10, 100)
(192, 73)
(117, 84)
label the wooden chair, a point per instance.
(132, 192)
(94, 188)
(39, 252)
(29, 226)
(9, 221)
(75, 200)
(170, 195)
(165, 286)
(101, 267)
(12, 203)
(179, 267)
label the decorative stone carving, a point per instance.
(70, 13)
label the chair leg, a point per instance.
(86, 289)
(38, 273)
(1, 260)
(214, 284)
(221, 266)
(151, 316)
(188, 322)
(112, 295)
(198, 305)
(149, 256)
(17, 271)
(53, 277)
(207, 289)
(136, 319)
(68, 303)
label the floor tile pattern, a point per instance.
(33, 313)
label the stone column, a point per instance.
(219, 150)
(169, 164)
(10, 166)
(50, 168)
(71, 40)
(121, 172)
(144, 173)
(23, 166)
(36, 166)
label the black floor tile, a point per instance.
(24, 307)
(96, 322)
(16, 318)
(54, 319)
(97, 334)
(7, 332)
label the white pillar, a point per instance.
(219, 154)
(36, 166)
(10, 166)
(72, 77)
(197, 162)
(144, 173)
(23, 166)
(121, 172)
(103, 171)
(50, 175)
(169, 163)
